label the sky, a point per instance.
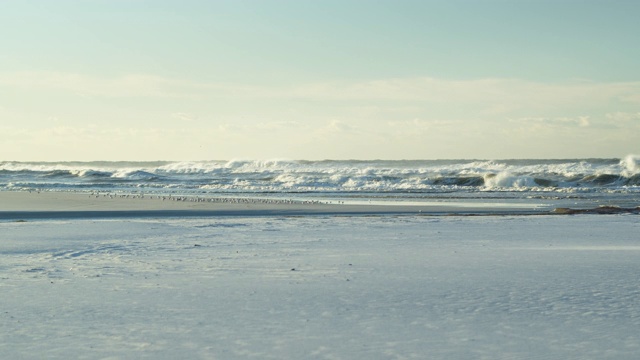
(325, 79)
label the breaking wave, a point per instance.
(281, 175)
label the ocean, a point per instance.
(605, 181)
(102, 276)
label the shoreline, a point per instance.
(32, 205)
(257, 283)
(22, 205)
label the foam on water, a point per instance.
(631, 165)
(601, 176)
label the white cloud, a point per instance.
(623, 117)
(551, 123)
(487, 96)
(408, 116)
(258, 126)
(338, 126)
(274, 125)
(495, 95)
(583, 121)
(406, 130)
(186, 117)
(422, 124)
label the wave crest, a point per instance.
(631, 165)
(283, 175)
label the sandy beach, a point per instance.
(322, 180)
(31, 205)
(326, 286)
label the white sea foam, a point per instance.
(631, 165)
(282, 175)
(507, 180)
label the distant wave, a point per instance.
(282, 175)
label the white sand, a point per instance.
(381, 287)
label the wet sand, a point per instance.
(320, 287)
(30, 205)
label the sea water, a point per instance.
(609, 181)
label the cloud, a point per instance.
(489, 96)
(406, 115)
(622, 117)
(275, 125)
(487, 99)
(422, 124)
(422, 127)
(338, 126)
(579, 121)
(186, 117)
(494, 95)
(254, 127)
(583, 121)
(609, 121)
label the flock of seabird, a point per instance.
(221, 200)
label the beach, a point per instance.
(322, 180)
(320, 281)
(20, 204)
